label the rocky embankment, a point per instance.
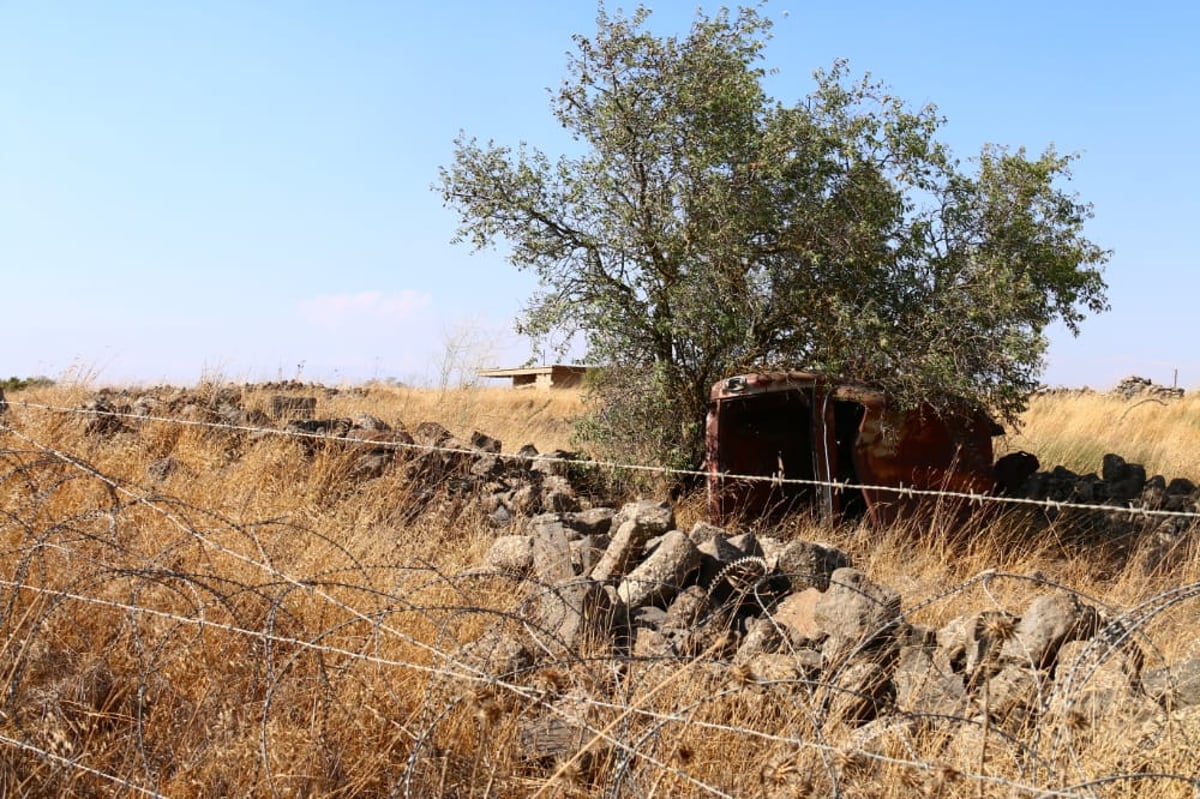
(797, 621)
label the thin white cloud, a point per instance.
(334, 310)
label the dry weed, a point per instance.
(257, 622)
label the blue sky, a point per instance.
(242, 189)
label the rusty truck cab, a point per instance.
(821, 431)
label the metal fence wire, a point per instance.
(125, 612)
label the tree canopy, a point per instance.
(708, 229)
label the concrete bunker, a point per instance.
(833, 436)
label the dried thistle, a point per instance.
(1000, 627)
(550, 681)
(487, 709)
(851, 761)
(780, 770)
(684, 754)
(939, 778)
(1076, 721)
(742, 675)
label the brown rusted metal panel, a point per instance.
(807, 426)
(924, 451)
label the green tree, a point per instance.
(707, 229)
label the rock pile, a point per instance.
(1130, 388)
(1122, 485)
(527, 483)
(796, 622)
(521, 485)
(1134, 387)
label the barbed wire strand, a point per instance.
(973, 497)
(458, 670)
(75, 764)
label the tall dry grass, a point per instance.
(259, 623)
(1077, 430)
(515, 416)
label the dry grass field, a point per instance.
(257, 622)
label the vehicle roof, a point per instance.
(784, 380)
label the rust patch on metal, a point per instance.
(808, 426)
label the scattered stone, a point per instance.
(1135, 387)
(556, 495)
(702, 532)
(856, 614)
(1050, 621)
(808, 564)
(501, 516)
(715, 554)
(660, 576)
(635, 524)
(747, 544)
(574, 615)
(1175, 686)
(372, 423)
(925, 682)
(104, 418)
(690, 606)
(796, 612)
(592, 521)
(858, 692)
(431, 434)
(485, 443)
(551, 550)
(1012, 694)
(1089, 678)
(586, 552)
(496, 655)
(487, 467)
(510, 554)
(763, 636)
(650, 642)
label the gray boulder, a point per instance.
(635, 524)
(510, 554)
(573, 615)
(926, 683)
(807, 564)
(1175, 686)
(660, 576)
(551, 549)
(1050, 621)
(856, 614)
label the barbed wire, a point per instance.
(678, 717)
(448, 670)
(74, 763)
(903, 492)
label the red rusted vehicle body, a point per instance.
(808, 426)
